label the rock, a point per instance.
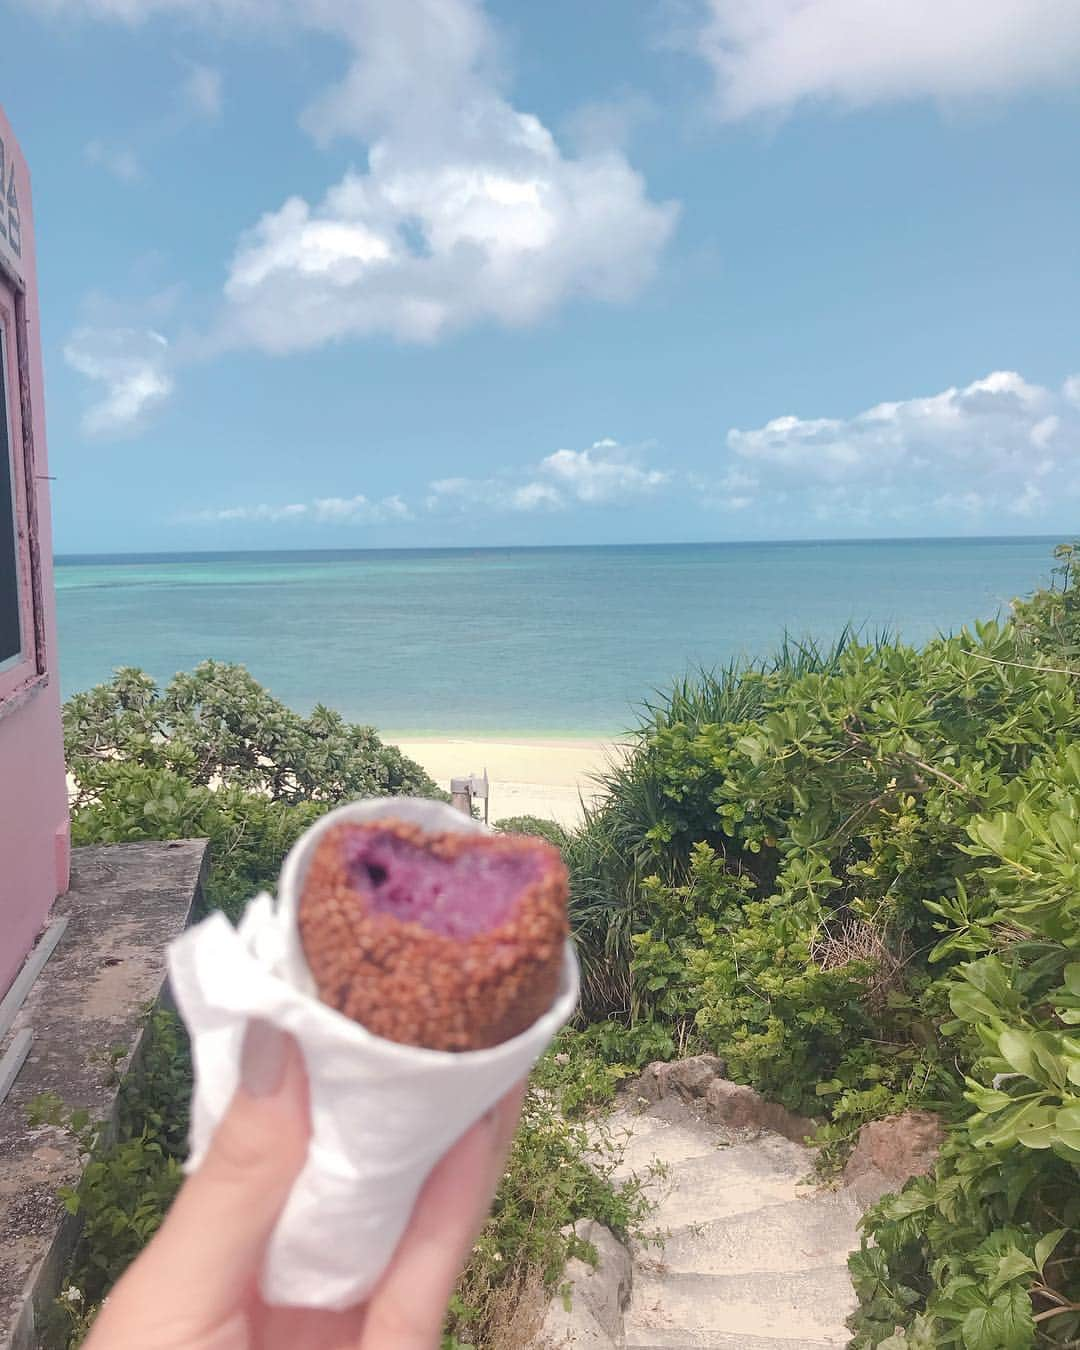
(700, 1082)
(891, 1151)
(596, 1296)
(741, 1108)
(687, 1079)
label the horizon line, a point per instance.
(78, 555)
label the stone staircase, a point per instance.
(754, 1256)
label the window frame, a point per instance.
(19, 675)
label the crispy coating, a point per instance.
(409, 984)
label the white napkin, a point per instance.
(382, 1114)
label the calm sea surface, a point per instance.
(553, 641)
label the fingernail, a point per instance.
(262, 1059)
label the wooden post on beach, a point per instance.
(464, 790)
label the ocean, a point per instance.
(539, 642)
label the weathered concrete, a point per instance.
(125, 904)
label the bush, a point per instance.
(214, 756)
(218, 727)
(856, 878)
(989, 1248)
(558, 1172)
(128, 1184)
(550, 830)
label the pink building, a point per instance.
(34, 835)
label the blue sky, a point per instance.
(356, 273)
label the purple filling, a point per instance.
(458, 898)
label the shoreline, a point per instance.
(553, 778)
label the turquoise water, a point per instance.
(555, 641)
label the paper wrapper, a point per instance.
(382, 1114)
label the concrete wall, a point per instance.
(34, 838)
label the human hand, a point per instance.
(195, 1287)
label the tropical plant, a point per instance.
(218, 727)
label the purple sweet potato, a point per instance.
(448, 941)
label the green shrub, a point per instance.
(214, 756)
(558, 1172)
(218, 727)
(550, 830)
(988, 1249)
(128, 1184)
(859, 885)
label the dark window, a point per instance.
(10, 629)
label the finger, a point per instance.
(202, 1267)
(408, 1307)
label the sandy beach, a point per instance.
(546, 778)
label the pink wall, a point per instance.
(34, 840)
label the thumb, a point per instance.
(202, 1267)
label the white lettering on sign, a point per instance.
(10, 224)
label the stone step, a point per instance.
(682, 1340)
(641, 1139)
(801, 1307)
(707, 1150)
(809, 1232)
(728, 1181)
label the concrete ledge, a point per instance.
(126, 903)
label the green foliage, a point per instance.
(656, 804)
(856, 877)
(214, 756)
(130, 1178)
(218, 727)
(584, 1067)
(970, 1249)
(558, 1172)
(249, 834)
(854, 873)
(1050, 620)
(550, 830)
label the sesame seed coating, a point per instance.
(420, 983)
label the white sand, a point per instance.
(546, 778)
(528, 778)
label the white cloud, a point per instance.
(733, 490)
(356, 510)
(1030, 502)
(121, 161)
(419, 247)
(967, 449)
(963, 503)
(606, 472)
(533, 496)
(774, 54)
(469, 495)
(132, 366)
(202, 90)
(138, 11)
(468, 211)
(350, 510)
